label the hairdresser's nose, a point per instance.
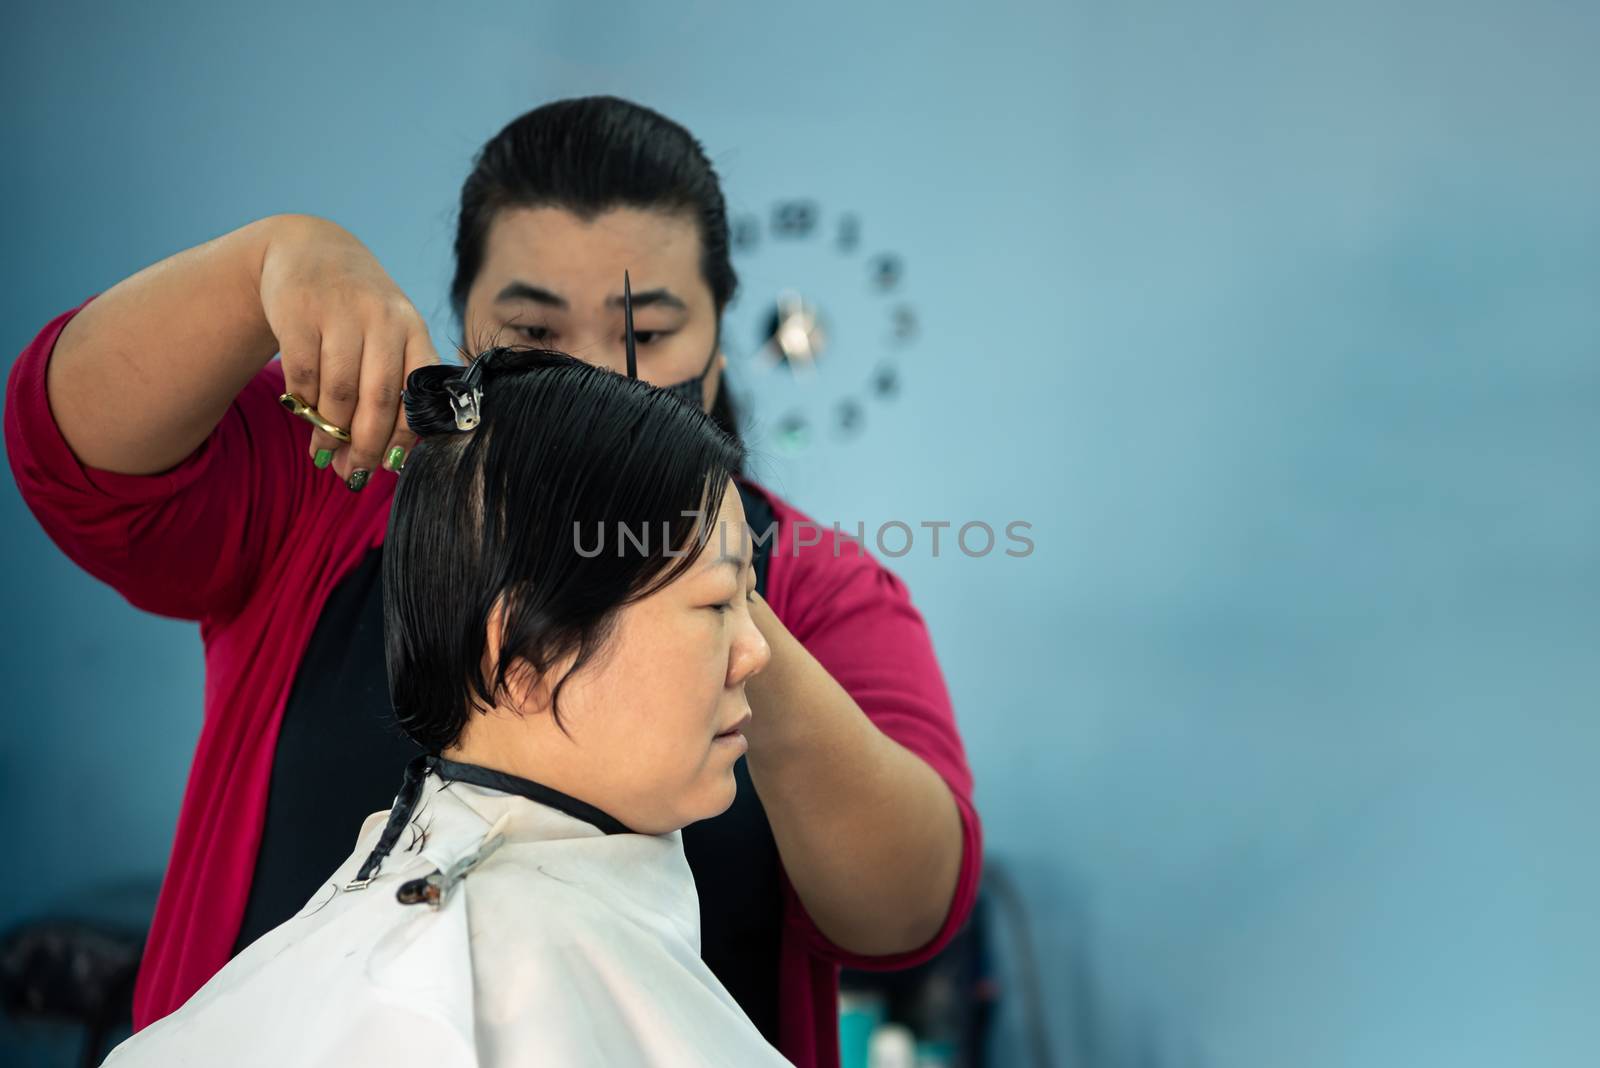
(750, 652)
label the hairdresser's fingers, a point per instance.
(419, 353)
(378, 406)
(300, 352)
(338, 388)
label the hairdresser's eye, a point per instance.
(533, 333)
(645, 338)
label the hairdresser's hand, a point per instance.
(348, 339)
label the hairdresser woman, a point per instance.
(146, 434)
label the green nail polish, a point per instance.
(395, 460)
(324, 458)
(358, 478)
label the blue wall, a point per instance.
(1278, 325)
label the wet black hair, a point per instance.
(564, 455)
(587, 155)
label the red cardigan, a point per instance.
(248, 538)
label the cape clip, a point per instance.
(433, 888)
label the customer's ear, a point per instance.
(526, 689)
(526, 692)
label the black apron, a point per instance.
(340, 755)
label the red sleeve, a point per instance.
(189, 542)
(856, 617)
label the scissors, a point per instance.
(297, 406)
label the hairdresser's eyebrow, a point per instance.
(664, 297)
(537, 294)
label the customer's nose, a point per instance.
(750, 653)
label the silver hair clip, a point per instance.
(464, 403)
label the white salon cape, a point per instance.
(565, 946)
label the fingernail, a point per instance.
(324, 458)
(395, 460)
(358, 478)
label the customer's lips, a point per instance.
(734, 735)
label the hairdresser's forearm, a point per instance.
(142, 375)
(869, 834)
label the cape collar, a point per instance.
(453, 771)
(449, 771)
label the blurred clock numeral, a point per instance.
(849, 416)
(792, 432)
(886, 270)
(794, 218)
(849, 233)
(886, 381)
(905, 323)
(746, 233)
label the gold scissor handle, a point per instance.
(299, 407)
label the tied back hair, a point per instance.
(493, 514)
(588, 155)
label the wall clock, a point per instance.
(822, 327)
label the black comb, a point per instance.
(627, 315)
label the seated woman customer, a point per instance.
(566, 583)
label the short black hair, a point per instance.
(563, 448)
